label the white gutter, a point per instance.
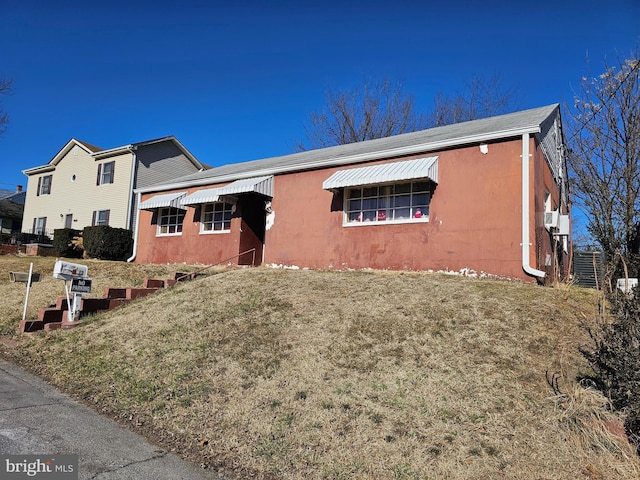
(135, 230)
(526, 244)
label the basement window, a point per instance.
(390, 203)
(170, 221)
(216, 217)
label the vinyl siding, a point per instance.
(160, 162)
(80, 196)
(157, 163)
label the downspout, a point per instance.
(135, 230)
(132, 182)
(526, 244)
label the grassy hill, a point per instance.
(337, 375)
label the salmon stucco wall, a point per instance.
(474, 221)
(191, 246)
(474, 225)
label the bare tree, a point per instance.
(5, 89)
(375, 110)
(604, 155)
(483, 97)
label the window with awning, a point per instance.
(396, 192)
(421, 168)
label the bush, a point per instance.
(615, 359)
(107, 243)
(65, 242)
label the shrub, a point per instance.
(65, 242)
(615, 359)
(107, 243)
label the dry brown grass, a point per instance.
(346, 375)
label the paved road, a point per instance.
(35, 418)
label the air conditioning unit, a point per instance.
(627, 284)
(551, 219)
(563, 225)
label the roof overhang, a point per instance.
(500, 128)
(164, 200)
(384, 173)
(262, 185)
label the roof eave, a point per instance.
(40, 169)
(363, 157)
(112, 152)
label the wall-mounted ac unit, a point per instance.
(551, 219)
(627, 284)
(563, 225)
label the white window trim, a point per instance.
(345, 210)
(108, 214)
(159, 226)
(345, 223)
(212, 232)
(41, 189)
(111, 176)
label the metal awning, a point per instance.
(208, 195)
(263, 185)
(383, 173)
(164, 200)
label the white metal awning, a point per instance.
(263, 185)
(208, 195)
(164, 200)
(383, 173)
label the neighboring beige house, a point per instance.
(84, 185)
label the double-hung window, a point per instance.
(100, 217)
(389, 203)
(170, 220)
(216, 217)
(44, 185)
(106, 173)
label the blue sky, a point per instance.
(236, 81)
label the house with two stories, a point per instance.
(488, 196)
(83, 185)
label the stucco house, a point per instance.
(487, 196)
(83, 185)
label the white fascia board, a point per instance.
(40, 169)
(112, 152)
(358, 158)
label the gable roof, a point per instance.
(99, 153)
(475, 131)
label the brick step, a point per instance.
(133, 293)
(56, 316)
(30, 326)
(46, 315)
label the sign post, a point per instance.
(77, 274)
(26, 299)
